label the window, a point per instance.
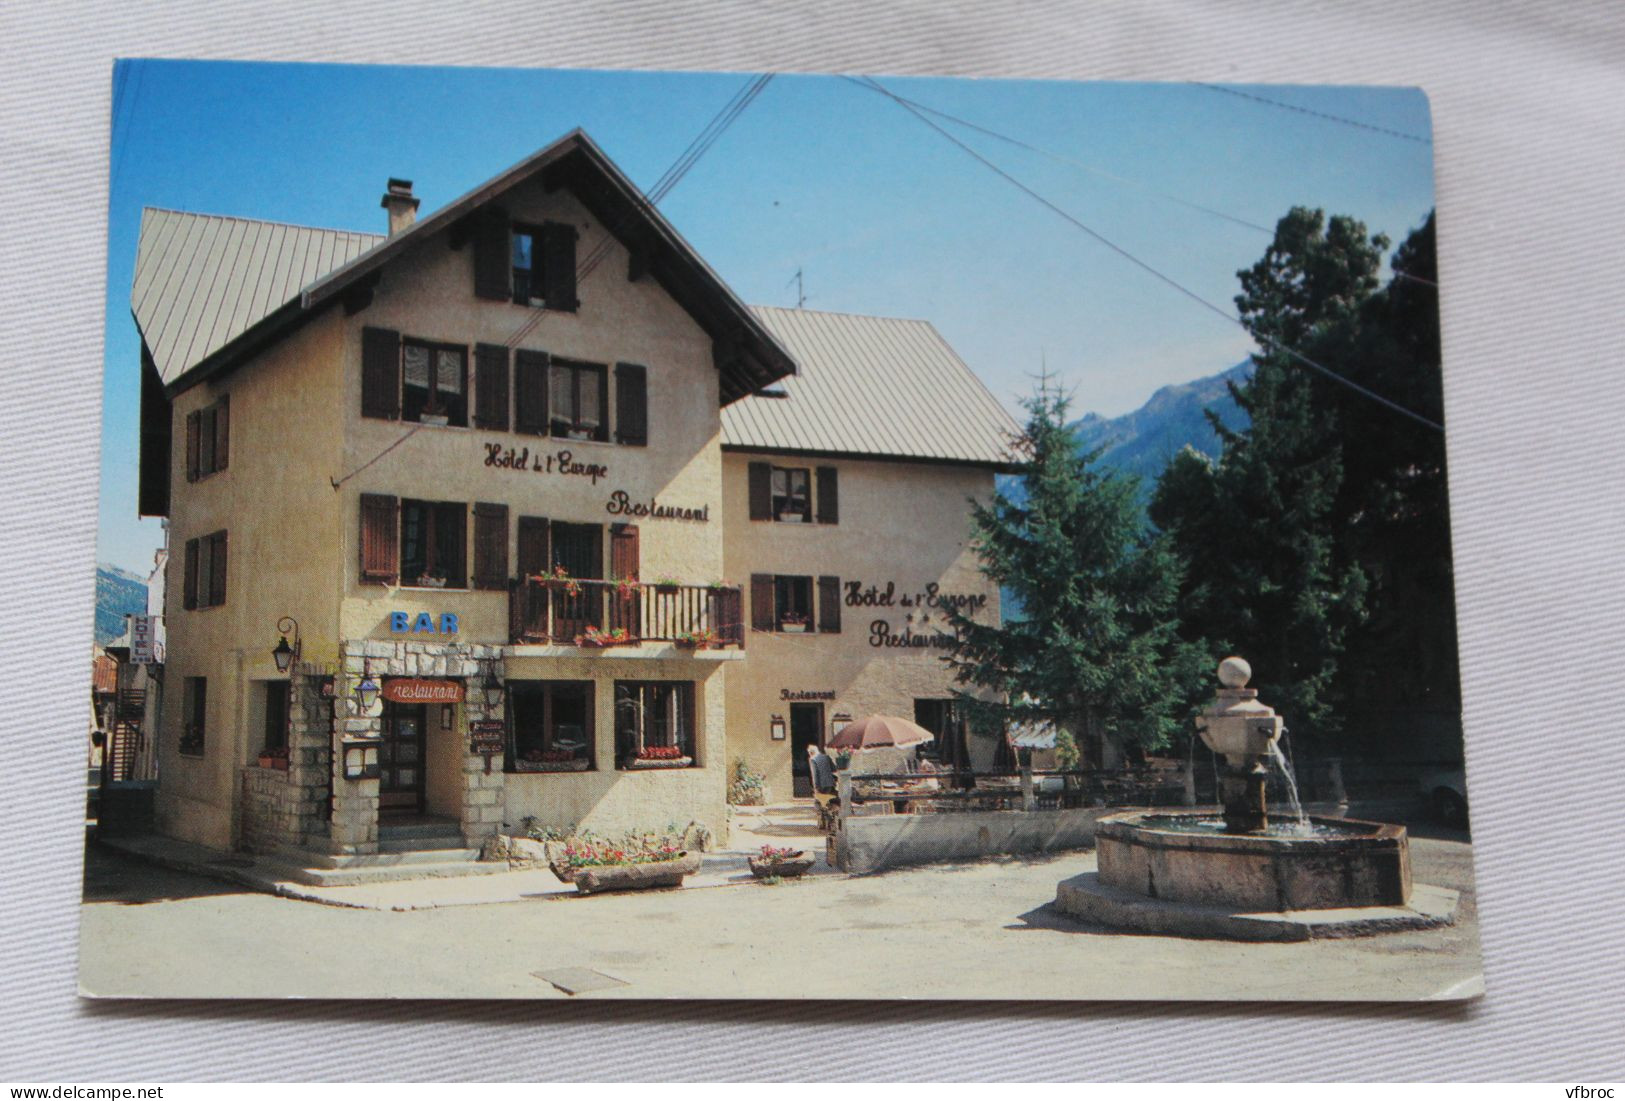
(541, 264)
(941, 717)
(278, 696)
(204, 585)
(194, 708)
(792, 603)
(577, 398)
(208, 439)
(785, 494)
(552, 726)
(654, 723)
(433, 544)
(434, 382)
(792, 495)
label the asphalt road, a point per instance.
(981, 930)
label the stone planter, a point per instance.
(789, 868)
(633, 877)
(664, 762)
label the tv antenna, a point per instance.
(801, 291)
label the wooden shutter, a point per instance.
(532, 546)
(602, 432)
(493, 255)
(761, 491)
(491, 387)
(450, 543)
(193, 430)
(222, 431)
(530, 392)
(189, 585)
(631, 404)
(380, 373)
(627, 609)
(559, 265)
(490, 546)
(829, 497)
(380, 534)
(829, 605)
(217, 569)
(762, 615)
(623, 551)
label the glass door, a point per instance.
(400, 759)
(806, 728)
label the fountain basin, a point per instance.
(1180, 858)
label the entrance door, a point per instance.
(806, 728)
(400, 759)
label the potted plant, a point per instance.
(783, 863)
(793, 623)
(660, 756)
(718, 585)
(561, 578)
(627, 586)
(600, 638)
(550, 760)
(748, 788)
(668, 584)
(635, 861)
(432, 581)
(703, 639)
(274, 758)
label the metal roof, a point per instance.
(201, 280)
(880, 386)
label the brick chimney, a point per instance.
(401, 204)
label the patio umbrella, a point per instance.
(880, 732)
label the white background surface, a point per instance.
(1529, 116)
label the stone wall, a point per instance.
(270, 810)
(872, 844)
(287, 808)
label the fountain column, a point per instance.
(1241, 730)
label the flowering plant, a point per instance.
(569, 584)
(594, 636)
(660, 753)
(718, 584)
(700, 639)
(667, 583)
(589, 851)
(771, 855)
(627, 586)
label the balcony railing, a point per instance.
(577, 612)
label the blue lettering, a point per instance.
(424, 623)
(398, 622)
(448, 623)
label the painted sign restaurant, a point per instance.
(545, 546)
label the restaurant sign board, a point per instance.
(415, 690)
(486, 736)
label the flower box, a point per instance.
(268, 761)
(633, 877)
(659, 762)
(580, 764)
(788, 867)
(793, 628)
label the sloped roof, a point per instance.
(880, 386)
(202, 280)
(208, 289)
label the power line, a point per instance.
(1142, 265)
(1316, 114)
(1064, 159)
(686, 160)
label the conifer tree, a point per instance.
(1094, 646)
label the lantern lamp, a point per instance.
(283, 654)
(366, 694)
(491, 688)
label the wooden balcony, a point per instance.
(575, 612)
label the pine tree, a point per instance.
(1095, 647)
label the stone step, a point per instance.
(388, 843)
(377, 871)
(386, 858)
(406, 830)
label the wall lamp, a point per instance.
(491, 688)
(285, 655)
(366, 694)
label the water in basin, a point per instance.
(1287, 829)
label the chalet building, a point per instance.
(518, 512)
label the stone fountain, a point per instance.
(1244, 874)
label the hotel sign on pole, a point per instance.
(142, 648)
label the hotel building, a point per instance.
(554, 526)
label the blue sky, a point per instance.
(883, 215)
